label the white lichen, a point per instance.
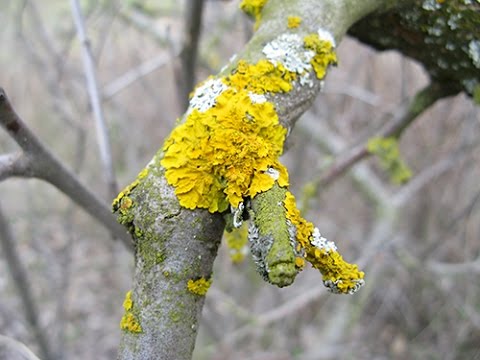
(474, 52)
(237, 215)
(322, 243)
(274, 173)
(257, 98)
(288, 50)
(205, 95)
(326, 36)
(431, 5)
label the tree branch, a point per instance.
(37, 161)
(188, 56)
(420, 102)
(175, 245)
(95, 100)
(21, 282)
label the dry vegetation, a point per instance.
(418, 243)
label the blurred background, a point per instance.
(418, 243)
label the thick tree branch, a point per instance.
(37, 161)
(174, 244)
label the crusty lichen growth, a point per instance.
(294, 21)
(387, 151)
(324, 53)
(338, 275)
(129, 320)
(128, 189)
(226, 155)
(254, 9)
(218, 157)
(199, 286)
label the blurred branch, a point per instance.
(136, 18)
(16, 347)
(37, 161)
(442, 268)
(279, 313)
(133, 75)
(185, 73)
(95, 101)
(406, 115)
(12, 164)
(21, 282)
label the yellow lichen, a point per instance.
(324, 54)
(342, 276)
(261, 77)
(237, 243)
(218, 157)
(294, 21)
(129, 321)
(200, 286)
(128, 303)
(128, 189)
(254, 9)
(388, 152)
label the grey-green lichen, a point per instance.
(443, 35)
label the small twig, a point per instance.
(95, 101)
(18, 348)
(134, 75)
(188, 56)
(277, 314)
(420, 102)
(41, 163)
(21, 282)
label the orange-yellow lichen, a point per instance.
(200, 286)
(294, 21)
(127, 190)
(129, 321)
(218, 157)
(254, 9)
(340, 275)
(324, 54)
(261, 77)
(128, 303)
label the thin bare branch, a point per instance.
(95, 101)
(16, 347)
(420, 102)
(21, 282)
(188, 56)
(135, 74)
(44, 165)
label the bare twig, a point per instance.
(16, 347)
(188, 56)
(421, 102)
(21, 282)
(134, 75)
(95, 101)
(42, 164)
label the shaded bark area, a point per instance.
(442, 36)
